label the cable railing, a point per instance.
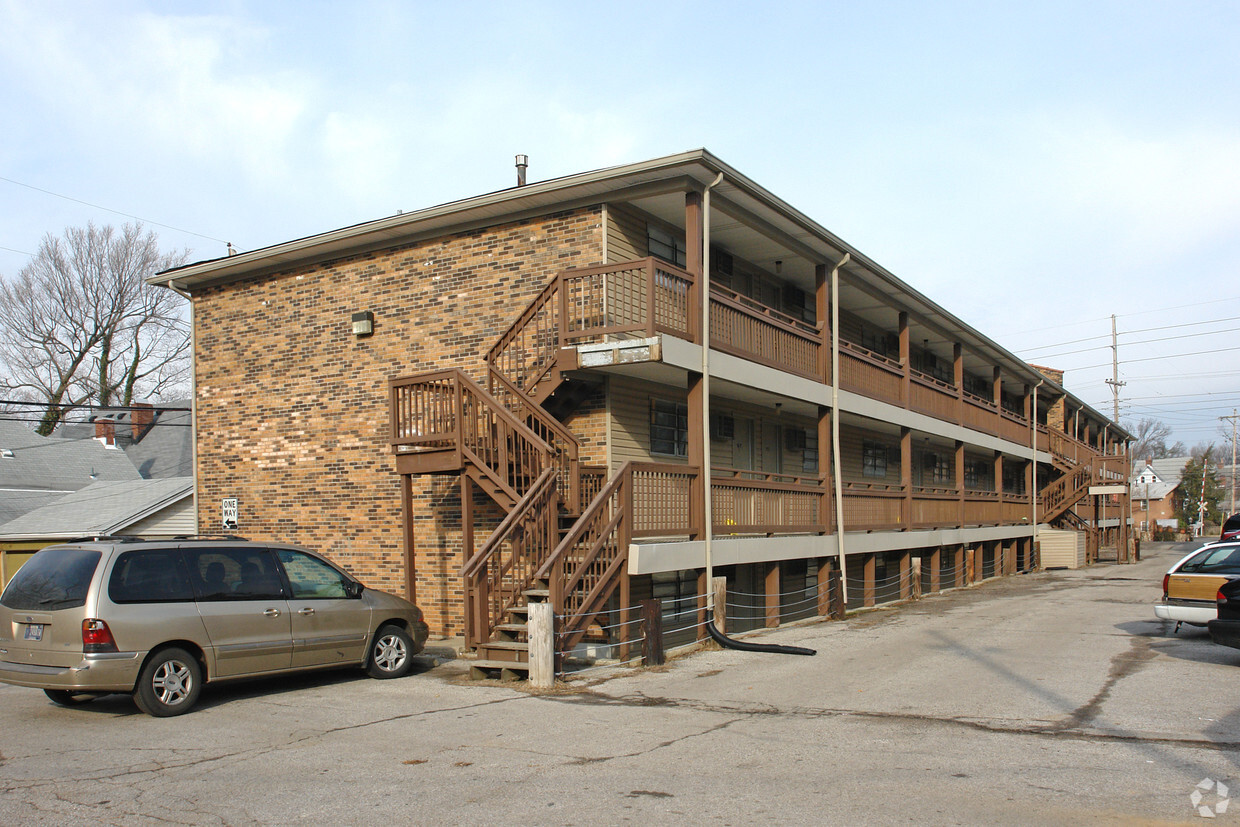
(617, 635)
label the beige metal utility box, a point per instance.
(1062, 548)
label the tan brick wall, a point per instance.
(292, 408)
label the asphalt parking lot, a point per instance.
(1055, 696)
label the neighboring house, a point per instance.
(38, 471)
(1155, 486)
(154, 509)
(431, 397)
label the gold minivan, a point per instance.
(1191, 586)
(159, 619)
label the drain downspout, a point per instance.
(835, 423)
(707, 531)
(193, 393)
(1033, 449)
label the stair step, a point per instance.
(543, 593)
(505, 644)
(482, 669)
(512, 627)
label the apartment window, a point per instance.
(937, 470)
(978, 386)
(1013, 478)
(809, 453)
(664, 245)
(978, 475)
(669, 428)
(873, 459)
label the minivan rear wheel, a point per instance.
(391, 653)
(169, 684)
(65, 697)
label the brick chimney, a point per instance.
(1055, 414)
(141, 420)
(105, 432)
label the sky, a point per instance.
(1034, 168)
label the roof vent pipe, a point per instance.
(523, 161)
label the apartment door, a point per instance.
(743, 457)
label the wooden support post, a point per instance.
(906, 573)
(958, 379)
(906, 362)
(702, 586)
(772, 595)
(971, 561)
(936, 569)
(721, 604)
(826, 566)
(867, 581)
(406, 537)
(694, 257)
(652, 633)
(906, 478)
(961, 507)
(826, 478)
(822, 315)
(915, 575)
(836, 588)
(959, 570)
(541, 629)
(626, 628)
(696, 457)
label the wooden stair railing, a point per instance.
(499, 574)
(1064, 493)
(447, 412)
(643, 499)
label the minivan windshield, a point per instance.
(55, 578)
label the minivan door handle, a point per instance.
(305, 611)
(272, 613)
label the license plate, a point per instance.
(34, 631)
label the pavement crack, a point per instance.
(1140, 652)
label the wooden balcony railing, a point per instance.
(754, 502)
(873, 505)
(746, 328)
(869, 374)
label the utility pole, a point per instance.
(1114, 380)
(1232, 419)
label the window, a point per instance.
(235, 574)
(809, 454)
(978, 475)
(937, 470)
(664, 245)
(669, 428)
(1013, 478)
(53, 579)
(157, 576)
(310, 578)
(873, 459)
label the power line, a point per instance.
(108, 209)
(21, 252)
(1126, 315)
(1035, 350)
(1169, 356)
(1140, 342)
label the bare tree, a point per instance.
(80, 325)
(1150, 439)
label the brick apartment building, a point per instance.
(506, 395)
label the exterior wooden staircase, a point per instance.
(565, 535)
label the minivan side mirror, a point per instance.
(354, 589)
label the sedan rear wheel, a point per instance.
(391, 653)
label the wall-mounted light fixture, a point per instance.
(363, 323)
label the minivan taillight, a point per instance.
(96, 636)
(1166, 580)
(1220, 597)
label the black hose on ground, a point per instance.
(729, 643)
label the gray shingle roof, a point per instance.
(55, 464)
(99, 508)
